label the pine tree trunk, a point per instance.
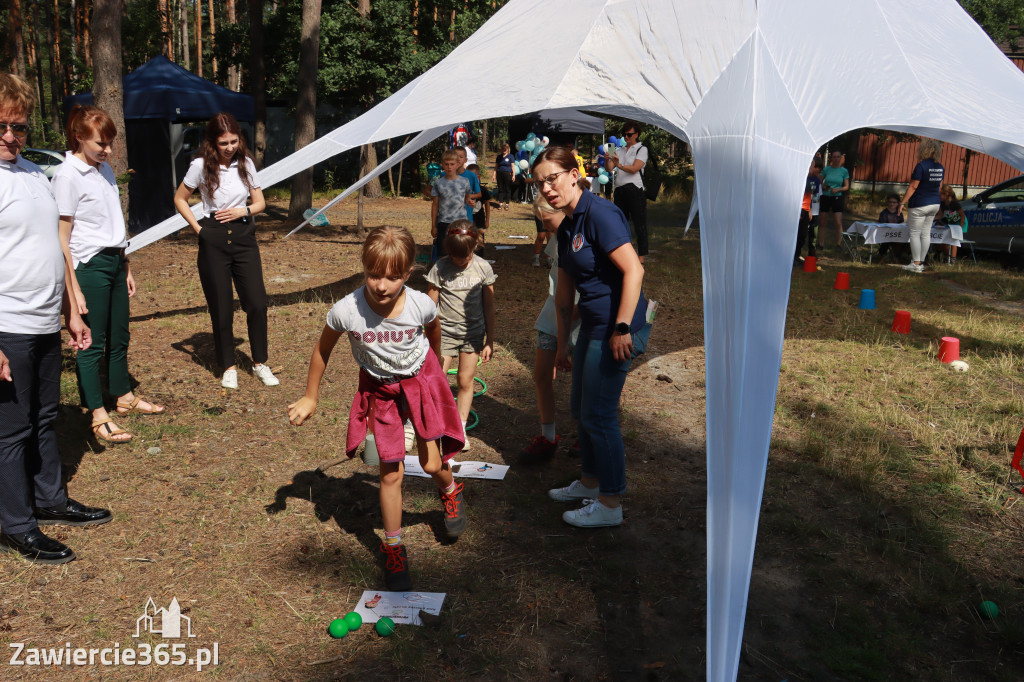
(213, 45)
(106, 89)
(186, 58)
(15, 38)
(368, 153)
(165, 29)
(56, 83)
(257, 80)
(34, 64)
(305, 108)
(234, 76)
(87, 6)
(199, 38)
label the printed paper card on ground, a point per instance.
(493, 472)
(402, 607)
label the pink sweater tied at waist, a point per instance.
(431, 405)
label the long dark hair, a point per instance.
(219, 125)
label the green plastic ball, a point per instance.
(353, 620)
(338, 628)
(988, 609)
(385, 627)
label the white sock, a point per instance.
(548, 431)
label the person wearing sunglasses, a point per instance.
(596, 259)
(33, 292)
(629, 183)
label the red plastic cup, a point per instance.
(901, 323)
(949, 349)
(842, 281)
(810, 264)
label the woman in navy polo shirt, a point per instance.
(922, 201)
(595, 258)
(503, 173)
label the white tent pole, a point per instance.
(415, 144)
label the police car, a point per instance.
(995, 217)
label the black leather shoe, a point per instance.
(37, 547)
(74, 514)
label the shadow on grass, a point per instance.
(856, 581)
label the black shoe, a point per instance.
(454, 512)
(37, 547)
(73, 514)
(396, 568)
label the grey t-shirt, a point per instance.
(461, 299)
(452, 205)
(386, 348)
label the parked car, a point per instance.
(995, 217)
(46, 159)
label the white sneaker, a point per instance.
(593, 514)
(536, 261)
(574, 491)
(264, 374)
(913, 267)
(230, 379)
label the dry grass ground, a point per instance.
(889, 510)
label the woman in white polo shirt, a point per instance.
(93, 237)
(226, 178)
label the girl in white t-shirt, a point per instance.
(226, 178)
(395, 336)
(93, 237)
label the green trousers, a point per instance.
(104, 283)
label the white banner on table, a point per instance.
(492, 472)
(879, 233)
(402, 607)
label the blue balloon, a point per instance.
(614, 140)
(600, 149)
(602, 179)
(530, 136)
(622, 143)
(530, 145)
(601, 170)
(519, 145)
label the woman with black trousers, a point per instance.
(225, 175)
(504, 174)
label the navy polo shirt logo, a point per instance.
(577, 243)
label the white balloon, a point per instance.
(524, 164)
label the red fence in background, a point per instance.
(895, 161)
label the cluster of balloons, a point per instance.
(602, 175)
(533, 144)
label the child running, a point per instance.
(462, 284)
(395, 337)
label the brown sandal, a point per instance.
(128, 408)
(108, 436)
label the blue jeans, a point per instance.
(597, 381)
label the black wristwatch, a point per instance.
(621, 328)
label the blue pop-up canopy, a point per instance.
(161, 89)
(158, 97)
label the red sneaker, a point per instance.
(396, 568)
(539, 450)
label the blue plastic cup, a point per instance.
(867, 299)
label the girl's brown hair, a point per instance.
(221, 124)
(84, 121)
(462, 239)
(389, 250)
(929, 149)
(560, 156)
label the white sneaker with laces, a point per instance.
(264, 374)
(593, 514)
(230, 379)
(574, 491)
